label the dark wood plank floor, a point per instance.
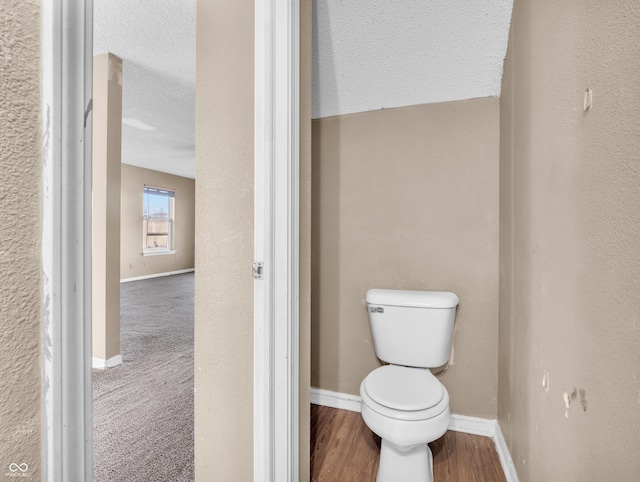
(344, 449)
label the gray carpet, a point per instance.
(143, 409)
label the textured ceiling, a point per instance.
(375, 54)
(156, 41)
(367, 55)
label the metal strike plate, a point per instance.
(258, 269)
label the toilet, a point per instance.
(403, 402)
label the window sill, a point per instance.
(158, 252)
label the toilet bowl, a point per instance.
(403, 402)
(407, 408)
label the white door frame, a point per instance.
(276, 228)
(67, 64)
(67, 70)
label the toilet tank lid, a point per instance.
(416, 299)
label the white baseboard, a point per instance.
(459, 423)
(158, 275)
(114, 361)
(327, 398)
(473, 425)
(506, 461)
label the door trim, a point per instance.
(276, 228)
(67, 63)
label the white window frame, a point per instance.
(170, 249)
(67, 58)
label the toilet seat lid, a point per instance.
(404, 388)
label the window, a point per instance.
(157, 224)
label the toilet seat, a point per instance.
(404, 388)
(404, 393)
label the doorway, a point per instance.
(66, 237)
(143, 239)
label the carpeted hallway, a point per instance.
(143, 409)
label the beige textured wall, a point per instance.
(224, 241)
(305, 237)
(105, 222)
(407, 199)
(570, 238)
(20, 287)
(132, 263)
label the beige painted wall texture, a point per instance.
(105, 214)
(132, 262)
(570, 241)
(407, 199)
(20, 286)
(224, 241)
(304, 350)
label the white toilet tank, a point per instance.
(412, 328)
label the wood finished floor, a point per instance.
(344, 449)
